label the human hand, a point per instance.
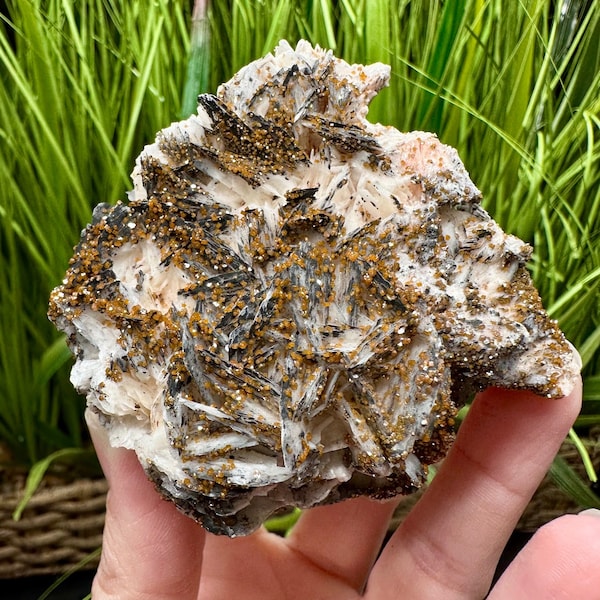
(447, 548)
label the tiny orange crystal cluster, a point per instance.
(294, 301)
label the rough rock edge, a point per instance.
(438, 299)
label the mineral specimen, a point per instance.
(294, 301)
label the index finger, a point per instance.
(149, 549)
(449, 545)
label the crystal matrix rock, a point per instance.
(294, 301)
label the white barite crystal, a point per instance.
(294, 301)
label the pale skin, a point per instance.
(447, 548)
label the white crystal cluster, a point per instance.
(294, 301)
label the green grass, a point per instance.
(83, 86)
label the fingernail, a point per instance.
(591, 512)
(97, 431)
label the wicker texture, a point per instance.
(60, 527)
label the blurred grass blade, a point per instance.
(37, 472)
(196, 81)
(429, 117)
(591, 390)
(82, 564)
(590, 346)
(592, 278)
(585, 456)
(54, 357)
(282, 524)
(571, 483)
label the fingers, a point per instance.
(560, 561)
(149, 549)
(332, 546)
(450, 543)
(343, 539)
(262, 566)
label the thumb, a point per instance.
(149, 549)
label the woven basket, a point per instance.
(59, 530)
